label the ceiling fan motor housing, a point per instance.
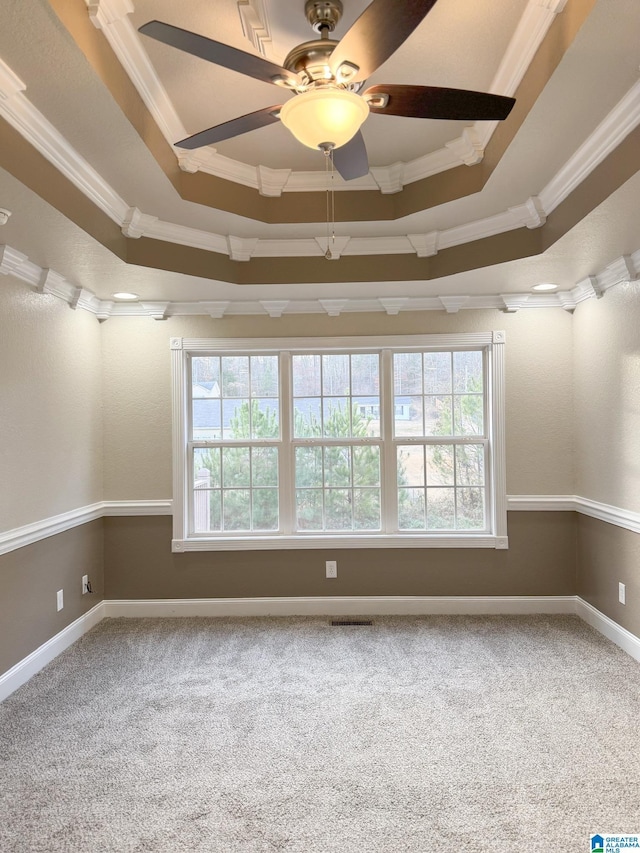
(311, 61)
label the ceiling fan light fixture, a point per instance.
(324, 117)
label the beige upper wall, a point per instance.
(607, 397)
(50, 410)
(137, 388)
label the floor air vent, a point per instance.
(341, 622)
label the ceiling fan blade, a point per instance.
(440, 103)
(219, 53)
(351, 159)
(379, 31)
(243, 124)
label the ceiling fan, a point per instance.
(327, 78)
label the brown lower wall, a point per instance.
(540, 561)
(608, 555)
(29, 579)
(550, 553)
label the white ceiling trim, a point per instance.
(624, 269)
(110, 16)
(255, 25)
(16, 108)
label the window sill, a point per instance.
(282, 543)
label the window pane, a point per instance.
(236, 509)
(309, 467)
(264, 375)
(206, 468)
(407, 373)
(264, 466)
(265, 418)
(437, 373)
(468, 414)
(307, 417)
(410, 466)
(306, 375)
(438, 416)
(235, 419)
(206, 419)
(335, 375)
(366, 466)
(235, 376)
(337, 466)
(336, 417)
(411, 509)
(365, 373)
(470, 465)
(309, 509)
(338, 509)
(440, 509)
(236, 469)
(467, 371)
(205, 376)
(366, 509)
(408, 416)
(265, 509)
(365, 417)
(440, 465)
(471, 509)
(206, 510)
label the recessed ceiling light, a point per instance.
(545, 286)
(125, 296)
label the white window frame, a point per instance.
(493, 344)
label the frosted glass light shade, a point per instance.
(324, 116)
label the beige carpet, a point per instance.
(416, 734)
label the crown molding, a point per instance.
(111, 17)
(20, 113)
(46, 281)
(618, 124)
(36, 129)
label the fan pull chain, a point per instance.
(331, 202)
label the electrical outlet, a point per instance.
(622, 593)
(59, 599)
(332, 568)
(85, 584)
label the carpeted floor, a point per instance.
(232, 735)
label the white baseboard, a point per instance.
(627, 641)
(344, 605)
(27, 667)
(327, 606)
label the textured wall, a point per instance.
(540, 561)
(51, 412)
(607, 429)
(50, 462)
(607, 397)
(137, 384)
(29, 579)
(608, 555)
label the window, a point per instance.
(349, 442)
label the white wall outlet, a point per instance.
(59, 599)
(622, 593)
(332, 568)
(85, 584)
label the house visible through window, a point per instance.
(357, 441)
